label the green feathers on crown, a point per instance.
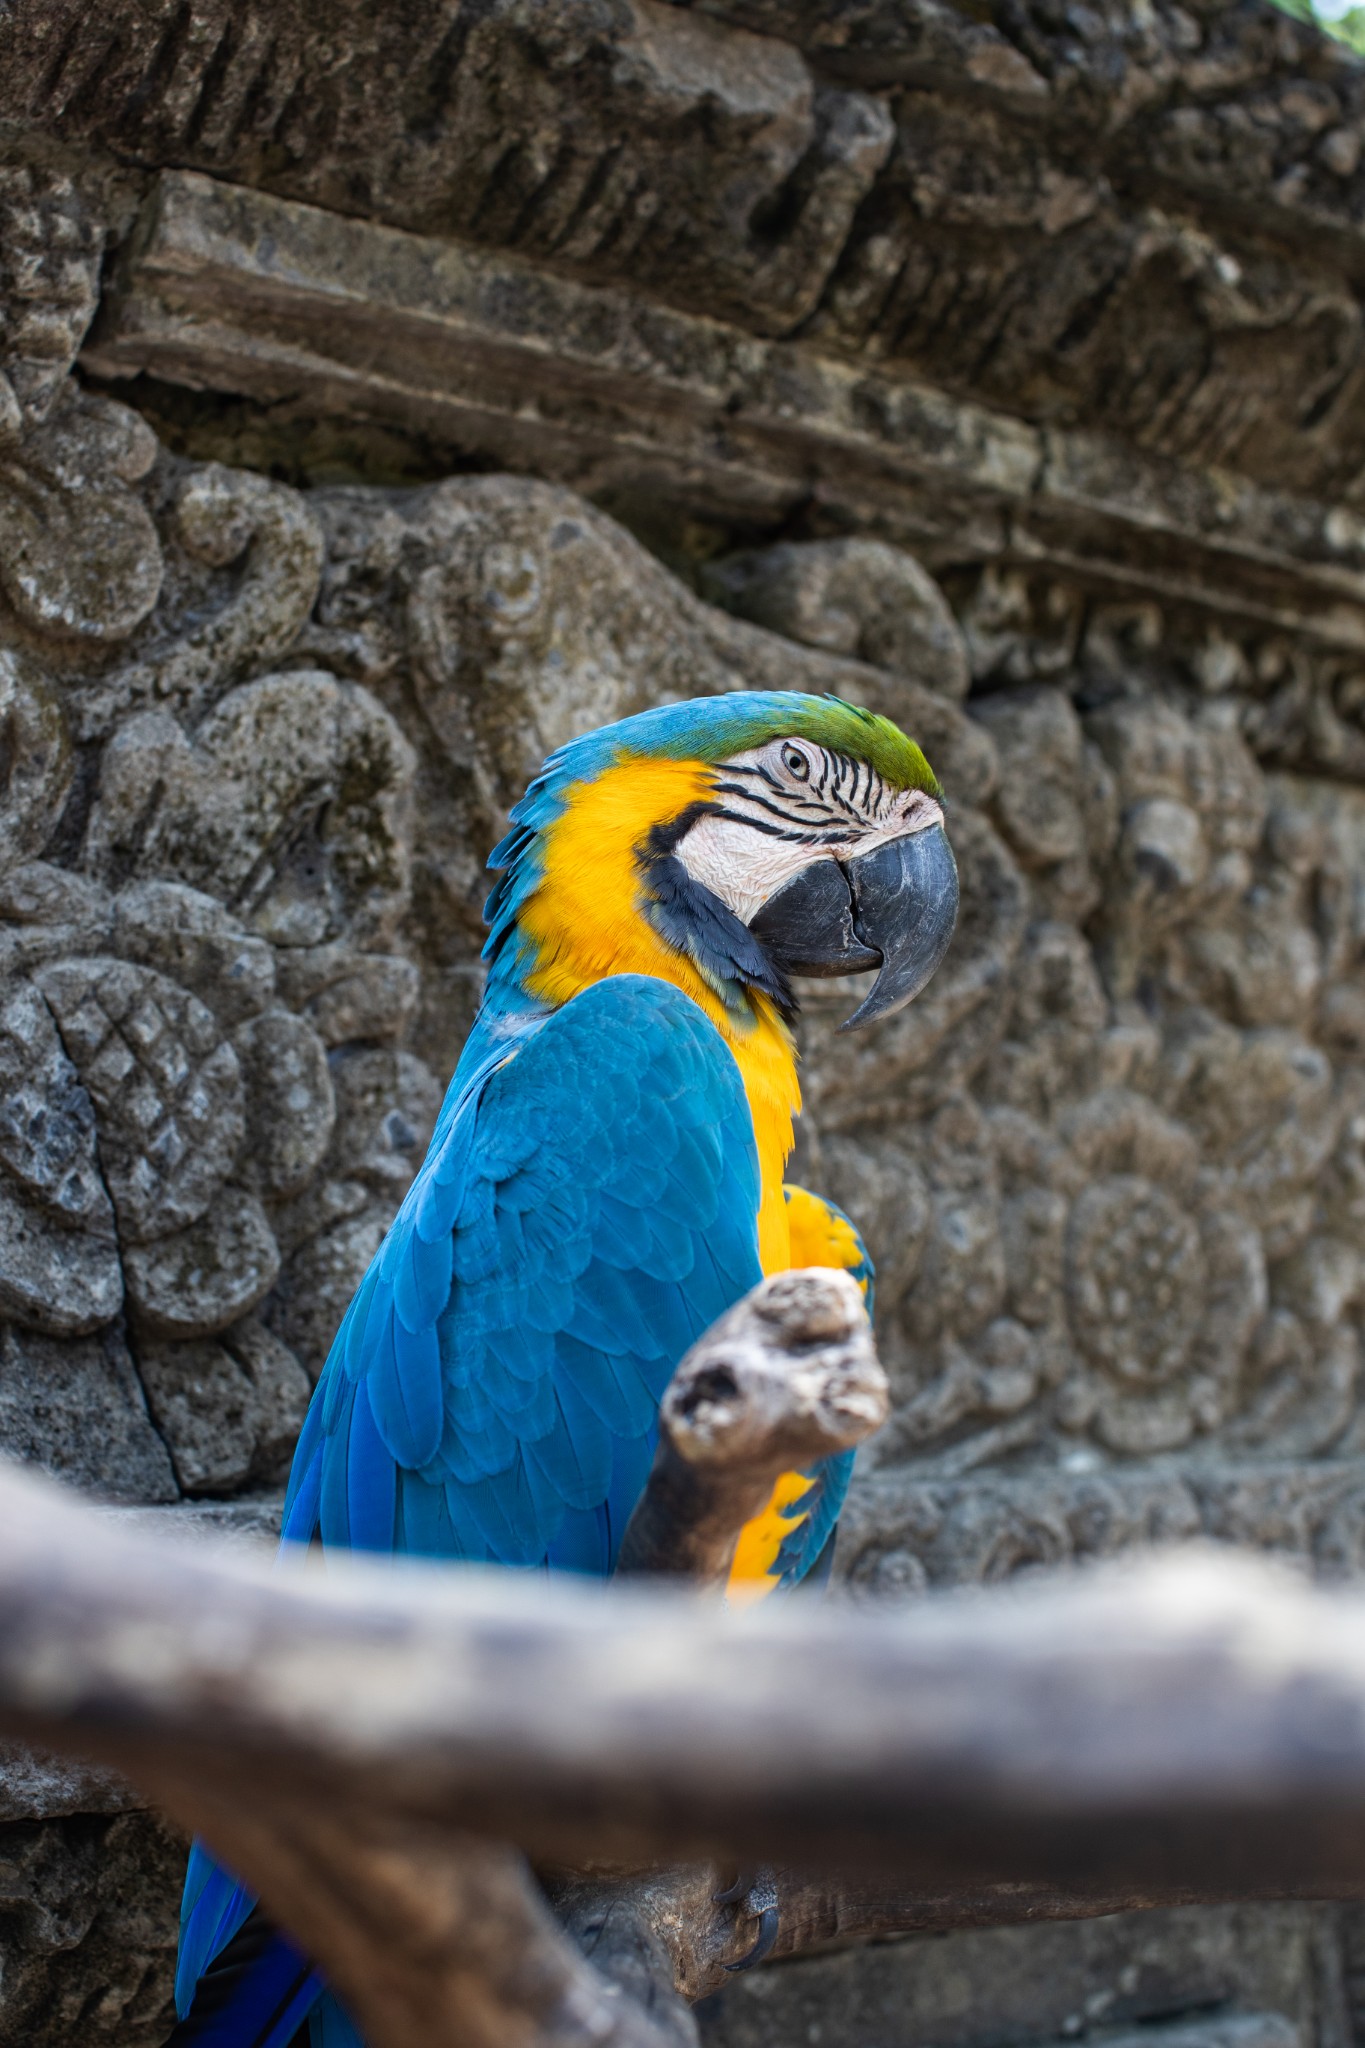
(715, 728)
(864, 736)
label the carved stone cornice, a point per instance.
(1142, 221)
(234, 290)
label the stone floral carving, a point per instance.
(168, 1099)
(267, 542)
(166, 1087)
(1150, 1291)
(79, 555)
(59, 1269)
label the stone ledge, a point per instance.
(232, 290)
(1202, 1977)
(901, 1533)
(1141, 220)
(36, 1786)
(247, 1518)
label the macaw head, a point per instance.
(755, 836)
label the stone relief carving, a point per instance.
(254, 744)
(1110, 1164)
(258, 743)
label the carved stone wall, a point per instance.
(1001, 370)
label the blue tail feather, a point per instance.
(330, 2027)
(214, 1907)
(256, 1993)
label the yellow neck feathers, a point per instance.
(586, 923)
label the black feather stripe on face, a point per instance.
(688, 917)
(842, 792)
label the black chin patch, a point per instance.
(688, 917)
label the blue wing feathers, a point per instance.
(581, 1545)
(338, 1383)
(575, 1457)
(371, 1480)
(422, 1283)
(608, 1385)
(517, 1515)
(305, 1481)
(525, 1353)
(259, 1992)
(300, 1521)
(333, 1503)
(615, 1234)
(405, 1390)
(348, 1351)
(630, 1469)
(470, 1455)
(672, 1248)
(330, 2027)
(607, 1314)
(604, 1194)
(424, 1525)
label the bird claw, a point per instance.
(768, 1921)
(756, 1893)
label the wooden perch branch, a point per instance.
(788, 1376)
(436, 1940)
(675, 1910)
(1180, 1723)
(363, 1743)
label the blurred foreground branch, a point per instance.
(362, 1742)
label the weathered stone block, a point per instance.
(292, 1101)
(88, 1917)
(75, 1408)
(205, 1276)
(230, 1411)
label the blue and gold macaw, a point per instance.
(604, 1180)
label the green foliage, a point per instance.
(1346, 24)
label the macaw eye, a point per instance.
(795, 763)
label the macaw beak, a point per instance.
(895, 908)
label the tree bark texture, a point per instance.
(790, 1375)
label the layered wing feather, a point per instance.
(586, 1212)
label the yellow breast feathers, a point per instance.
(586, 921)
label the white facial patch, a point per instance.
(786, 805)
(741, 866)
